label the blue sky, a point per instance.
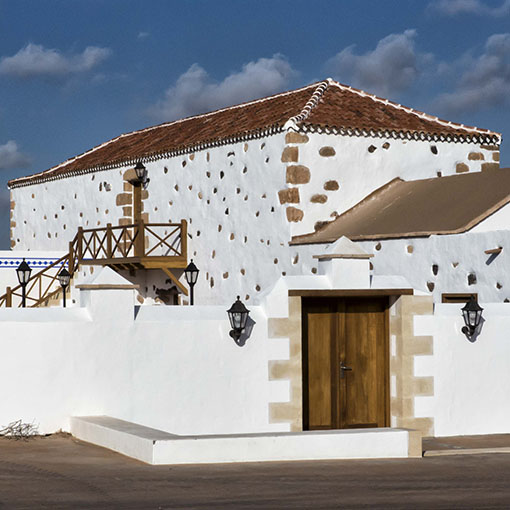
(74, 74)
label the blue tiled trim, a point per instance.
(33, 262)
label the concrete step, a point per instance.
(466, 445)
(158, 447)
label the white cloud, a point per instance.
(11, 157)
(390, 68)
(143, 35)
(454, 7)
(195, 92)
(484, 81)
(35, 60)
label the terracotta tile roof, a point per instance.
(327, 105)
(400, 209)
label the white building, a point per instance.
(341, 219)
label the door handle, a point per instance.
(343, 369)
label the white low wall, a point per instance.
(171, 368)
(471, 379)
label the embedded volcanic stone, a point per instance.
(123, 199)
(290, 154)
(386, 145)
(293, 137)
(298, 174)
(410, 248)
(294, 214)
(461, 167)
(473, 156)
(490, 166)
(319, 199)
(471, 278)
(430, 286)
(289, 196)
(433, 149)
(327, 151)
(372, 148)
(331, 185)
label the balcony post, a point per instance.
(184, 239)
(71, 258)
(140, 238)
(8, 297)
(109, 251)
(80, 244)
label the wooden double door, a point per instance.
(345, 363)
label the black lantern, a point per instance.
(141, 174)
(64, 278)
(23, 277)
(472, 313)
(191, 274)
(237, 315)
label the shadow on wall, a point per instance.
(250, 323)
(474, 337)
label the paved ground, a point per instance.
(60, 472)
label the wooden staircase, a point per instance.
(123, 247)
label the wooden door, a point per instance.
(345, 363)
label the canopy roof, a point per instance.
(443, 205)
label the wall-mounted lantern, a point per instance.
(64, 278)
(238, 315)
(191, 274)
(472, 313)
(141, 175)
(23, 272)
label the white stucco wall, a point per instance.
(238, 230)
(471, 379)
(456, 257)
(171, 368)
(359, 171)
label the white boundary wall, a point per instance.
(471, 379)
(171, 368)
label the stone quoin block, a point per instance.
(490, 166)
(461, 168)
(495, 156)
(327, 152)
(290, 154)
(298, 174)
(473, 156)
(293, 137)
(128, 187)
(129, 175)
(331, 185)
(319, 199)
(145, 194)
(294, 215)
(123, 199)
(289, 196)
(490, 147)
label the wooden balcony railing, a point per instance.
(139, 245)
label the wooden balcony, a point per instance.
(131, 247)
(123, 247)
